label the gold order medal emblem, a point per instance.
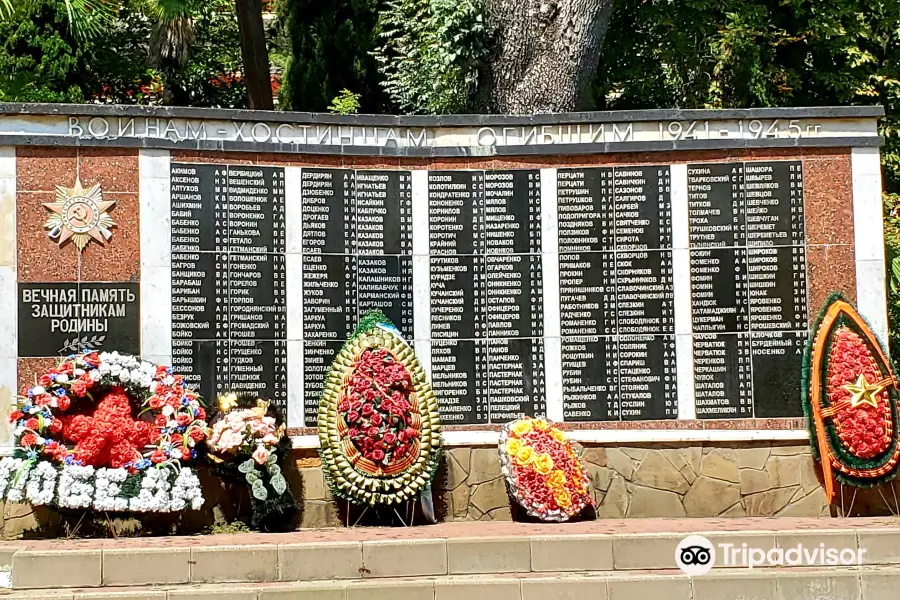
(79, 215)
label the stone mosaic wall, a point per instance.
(657, 481)
(653, 480)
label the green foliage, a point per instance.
(330, 46)
(429, 53)
(345, 103)
(747, 53)
(182, 52)
(40, 60)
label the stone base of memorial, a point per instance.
(647, 280)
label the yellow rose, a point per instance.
(512, 446)
(540, 425)
(543, 464)
(558, 435)
(525, 455)
(563, 499)
(557, 479)
(521, 427)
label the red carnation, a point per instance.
(79, 388)
(56, 426)
(156, 402)
(44, 381)
(183, 419)
(29, 439)
(15, 416)
(176, 439)
(64, 402)
(201, 414)
(160, 420)
(158, 456)
(43, 400)
(31, 423)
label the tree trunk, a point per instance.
(545, 54)
(257, 77)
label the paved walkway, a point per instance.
(468, 530)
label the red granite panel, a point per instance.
(829, 269)
(120, 258)
(828, 200)
(39, 257)
(42, 169)
(329, 161)
(204, 156)
(115, 169)
(32, 368)
(371, 162)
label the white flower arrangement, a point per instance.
(163, 489)
(108, 487)
(16, 492)
(41, 488)
(76, 487)
(8, 469)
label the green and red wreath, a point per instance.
(379, 428)
(850, 393)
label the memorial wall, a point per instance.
(649, 271)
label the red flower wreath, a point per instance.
(376, 408)
(107, 434)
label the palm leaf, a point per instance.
(89, 17)
(894, 266)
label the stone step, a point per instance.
(866, 583)
(180, 561)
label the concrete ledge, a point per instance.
(146, 566)
(312, 562)
(225, 564)
(623, 554)
(729, 584)
(405, 558)
(571, 553)
(51, 569)
(489, 555)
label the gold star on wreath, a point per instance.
(79, 215)
(863, 392)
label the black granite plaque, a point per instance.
(716, 205)
(777, 359)
(317, 358)
(357, 256)
(748, 286)
(616, 293)
(228, 288)
(65, 318)
(719, 290)
(591, 379)
(722, 375)
(586, 210)
(459, 373)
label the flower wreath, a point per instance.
(850, 392)
(545, 474)
(117, 462)
(379, 428)
(247, 443)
